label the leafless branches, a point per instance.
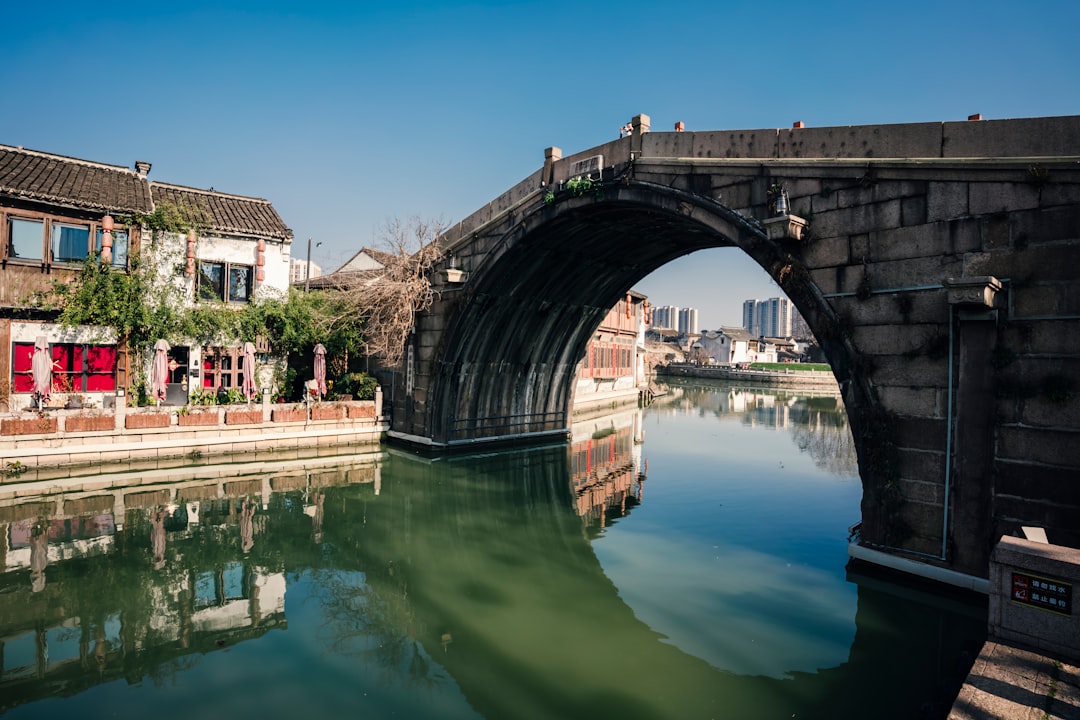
(389, 298)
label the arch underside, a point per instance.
(508, 360)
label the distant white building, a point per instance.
(672, 317)
(298, 271)
(730, 345)
(688, 321)
(768, 318)
(666, 318)
(365, 267)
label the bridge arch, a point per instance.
(937, 272)
(506, 366)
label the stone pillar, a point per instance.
(266, 405)
(639, 126)
(378, 403)
(973, 324)
(121, 411)
(551, 156)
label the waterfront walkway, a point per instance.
(803, 380)
(1008, 682)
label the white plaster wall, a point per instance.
(28, 332)
(245, 251)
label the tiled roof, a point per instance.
(367, 259)
(67, 181)
(737, 333)
(60, 180)
(342, 280)
(226, 213)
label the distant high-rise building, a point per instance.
(777, 318)
(688, 321)
(673, 317)
(799, 327)
(749, 317)
(768, 318)
(666, 318)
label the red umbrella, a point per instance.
(41, 369)
(249, 371)
(320, 368)
(159, 371)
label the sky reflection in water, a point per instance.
(736, 555)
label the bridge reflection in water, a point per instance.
(477, 586)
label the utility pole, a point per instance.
(307, 268)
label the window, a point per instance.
(239, 283)
(26, 237)
(222, 367)
(22, 355)
(225, 282)
(61, 241)
(119, 247)
(211, 281)
(70, 243)
(100, 370)
(75, 367)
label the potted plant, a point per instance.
(96, 422)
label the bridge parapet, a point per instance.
(1052, 137)
(1025, 137)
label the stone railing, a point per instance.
(34, 444)
(64, 422)
(1033, 595)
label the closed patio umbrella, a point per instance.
(41, 370)
(159, 371)
(249, 371)
(320, 369)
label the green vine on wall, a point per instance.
(580, 185)
(143, 304)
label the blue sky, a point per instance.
(345, 115)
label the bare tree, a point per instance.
(388, 299)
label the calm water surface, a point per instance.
(685, 561)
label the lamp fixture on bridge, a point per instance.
(781, 202)
(783, 225)
(454, 274)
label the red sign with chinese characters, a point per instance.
(1044, 593)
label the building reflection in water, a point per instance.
(607, 472)
(815, 419)
(87, 610)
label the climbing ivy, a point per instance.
(151, 300)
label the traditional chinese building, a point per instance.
(57, 212)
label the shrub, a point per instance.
(360, 385)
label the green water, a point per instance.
(688, 561)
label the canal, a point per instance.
(683, 561)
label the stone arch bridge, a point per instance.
(938, 264)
